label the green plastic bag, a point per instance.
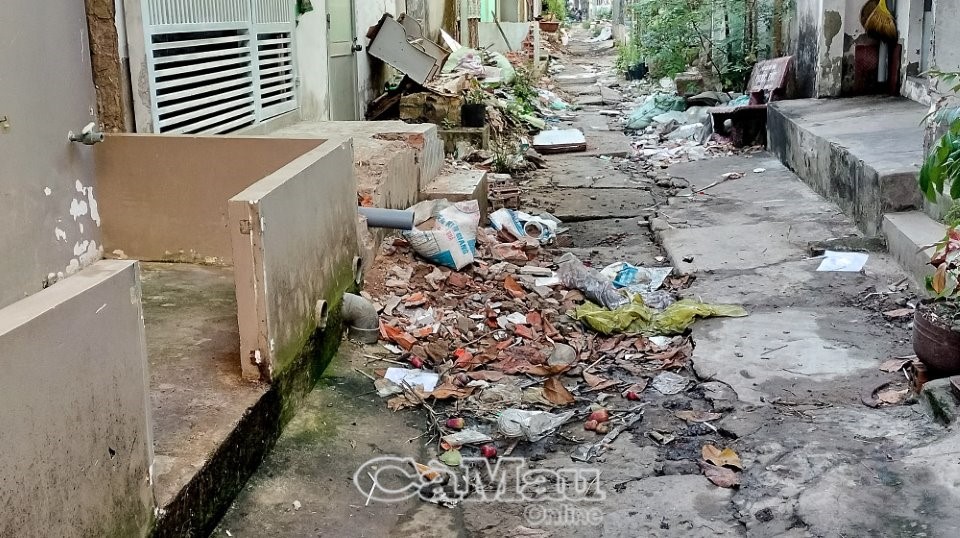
(655, 105)
(638, 318)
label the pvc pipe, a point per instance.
(396, 219)
(361, 318)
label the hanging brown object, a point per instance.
(880, 24)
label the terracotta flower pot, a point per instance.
(550, 27)
(936, 344)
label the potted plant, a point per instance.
(936, 337)
(473, 113)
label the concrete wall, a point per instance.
(165, 197)
(946, 29)
(76, 449)
(516, 32)
(301, 248)
(50, 224)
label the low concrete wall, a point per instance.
(76, 449)
(164, 197)
(299, 247)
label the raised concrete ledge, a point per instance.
(863, 153)
(907, 233)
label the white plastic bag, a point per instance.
(452, 239)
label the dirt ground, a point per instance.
(786, 384)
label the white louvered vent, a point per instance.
(218, 65)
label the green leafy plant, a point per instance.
(475, 96)
(524, 90)
(940, 173)
(557, 8)
(940, 176)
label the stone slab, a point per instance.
(795, 348)
(458, 186)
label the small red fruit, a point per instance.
(600, 415)
(488, 451)
(456, 423)
(416, 362)
(590, 425)
(633, 396)
(603, 428)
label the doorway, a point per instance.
(342, 60)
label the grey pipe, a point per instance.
(397, 219)
(361, 319)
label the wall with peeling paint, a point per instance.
(49, 220)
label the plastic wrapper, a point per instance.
(530, 425)
(595, 288)
(451, 240)
(520, 225)
(655, 105)
(638, 318)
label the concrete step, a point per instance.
(907, 233)
(458, 186)
(862, 153)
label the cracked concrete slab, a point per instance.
(762, 354)
(570, 205)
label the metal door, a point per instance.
(342, 62)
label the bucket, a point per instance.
(473, 115)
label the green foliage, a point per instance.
(558, 8)
(940, 174)
(952, 216)
(603, 13)
(524, 90)
(945, 281)
(726, 36)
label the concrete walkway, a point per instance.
(788, 378)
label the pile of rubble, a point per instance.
(516, 340)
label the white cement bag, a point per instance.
(450, 238)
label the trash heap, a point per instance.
(505, 341)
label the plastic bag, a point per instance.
(452, 241)
(636, 279)
(638, 318)
(655, 105)
(520, 225)
(595, 288)
(530, 425)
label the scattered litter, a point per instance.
(653, 106)
(636, 279)
(669, 383)
(697, 416)
(587, 452)
(466, 437)
(530, 425)
(575, 275)
(560, 141)
(445, 233)
(422, 378)
(843, 262)
(896, 364)
(297, 505)
(638, 318)
(899, 313)
(721, 458)
(520, 225)
(759, 170)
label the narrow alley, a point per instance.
(783, 388)
(480, 268)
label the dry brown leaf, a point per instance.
(597, 383)
(487, 375)
(722, 458)
(892, 397)
(554, 391)
(720, 476)
(398, 403)
(449, 390)
(939, 281)
(636, 388)
(899, 313)
(698, 416)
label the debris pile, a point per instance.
(514, 343)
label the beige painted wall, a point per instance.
(314, 91)
(49, 220)
(165, 197)
(76, 446)
(300, 250)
